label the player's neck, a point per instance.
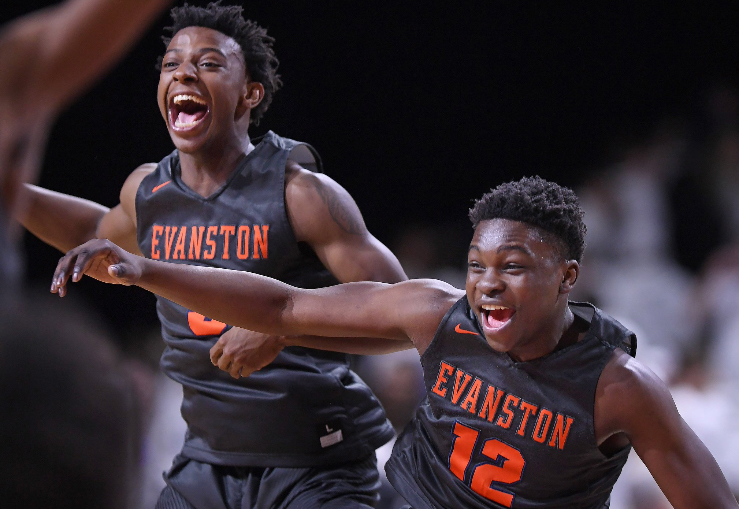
(206, 170)
(554, 335)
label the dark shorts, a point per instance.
(195, 485)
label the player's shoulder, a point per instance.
(436, 296)
(134, 179)
(435, 287)
(142, 171)
(138, 174)
(299, 179)
(319, 208)
(628, 385)
(423, 303)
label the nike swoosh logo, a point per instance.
(157, 188)
(460, 330)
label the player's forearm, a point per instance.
(351, 345)
(60, 220)
(242, 299)
(76, 41)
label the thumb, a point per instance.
(121, 272)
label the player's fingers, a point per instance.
(87, 256)
(61, 273)
(224, 362)
(215, 352)
(235, 370)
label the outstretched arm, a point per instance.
(47, 59)
(410, 310)
(632, 400)
(65, 221)
(50, 56)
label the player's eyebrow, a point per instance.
(513, 247)
(201, 50)
(506, 247)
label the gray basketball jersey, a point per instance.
(496, 433)
(307, 407)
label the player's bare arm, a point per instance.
(51, 55)
(48, 57)
(65, 221)
(409, 310)
(632, 401)
(326, 217)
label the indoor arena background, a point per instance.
(419, 107)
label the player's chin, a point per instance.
(187, 143)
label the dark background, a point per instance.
(417, 107)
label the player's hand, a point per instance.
(241, 352)
(100, 259)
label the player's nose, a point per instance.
(185, 72)
(490, 283)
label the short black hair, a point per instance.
(256, 45)
(538, 202)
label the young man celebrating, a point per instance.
(533, 401)
(302, 433)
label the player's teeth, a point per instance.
(183, 97)
(489, 307)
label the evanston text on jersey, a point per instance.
(208, 242)
(526, 419)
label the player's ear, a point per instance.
(251, 95)
(569, 277)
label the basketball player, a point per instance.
(533, 401)
(301, 433)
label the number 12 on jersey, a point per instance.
(506, 467)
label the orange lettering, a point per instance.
(470, 402)
(196, 241)
(242, 243)
(209, 255)
(459, 387)
(509, 413)
(444, 371)
(180, 246)
(260, 240)
(561, 430)
(528, 409)
(227, 231)
(490, 406)
(155, 233)
(169, 240)
(542, 425)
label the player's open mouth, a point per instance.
(495, 317)
(186, 111)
